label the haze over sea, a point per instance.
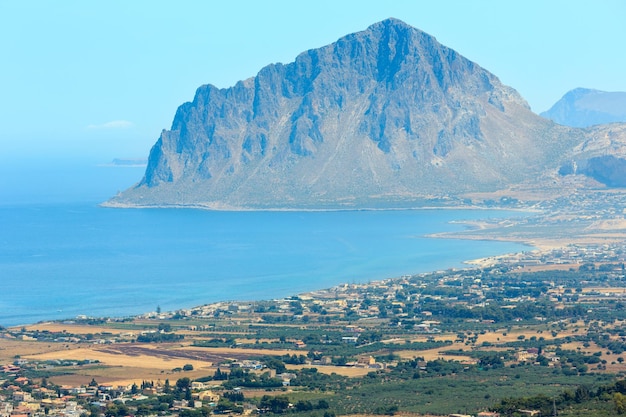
(61, 255)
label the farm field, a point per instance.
(419, 344)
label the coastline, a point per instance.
(229, 208)
(332, 273)
(495, 230)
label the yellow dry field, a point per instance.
(552, 267)
(122, 376)
(432, 354)
(125, 364)
(109, 358)
(612, 364)
(251, 352)
(349, 371)
(11, 348)
(118, 367)
(611, 224)
(494, 338)
(72, 328)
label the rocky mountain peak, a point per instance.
(380, 118)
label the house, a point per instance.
(488, 414)
(78, 390)
(6, 409)
(21, 380)
(180, 404)
(22, 411)
(286, 377)
(525, 356)
(9, 369)
(195, 385)
(530, 413)
(33, 407)
(366, 360)
(22, 396)
(208, 396)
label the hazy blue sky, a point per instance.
(102, 78)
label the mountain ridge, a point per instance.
(385, 117)
(585, 107)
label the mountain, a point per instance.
(584, 107)
(386, 117)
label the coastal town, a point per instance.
(543, 329)
(528, 318)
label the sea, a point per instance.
(63, 256)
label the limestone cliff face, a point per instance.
(379, 118)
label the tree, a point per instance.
(304, 406)
(224, 405)
(166, 327)
(619, 401)
(219, 375)
(582, 394)
(183, 384)
(234, 396)
(116, 410)
(190, 413)
(143, 410)
(188, 367)
(276, 364)
(274, 404)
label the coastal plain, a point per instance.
(583, 236)
(542, 321)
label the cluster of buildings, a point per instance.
(21, 397)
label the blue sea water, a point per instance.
(61, 259)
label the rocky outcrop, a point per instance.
(387, 117)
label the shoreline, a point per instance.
(474, 227)
(226, 208)
(475, 263)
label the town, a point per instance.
(540, 330)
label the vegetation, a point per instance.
(447, 342)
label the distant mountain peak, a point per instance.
(584, 107)
(392, 23)
(385, 117)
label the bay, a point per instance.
(62, 260)
(61, 255)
